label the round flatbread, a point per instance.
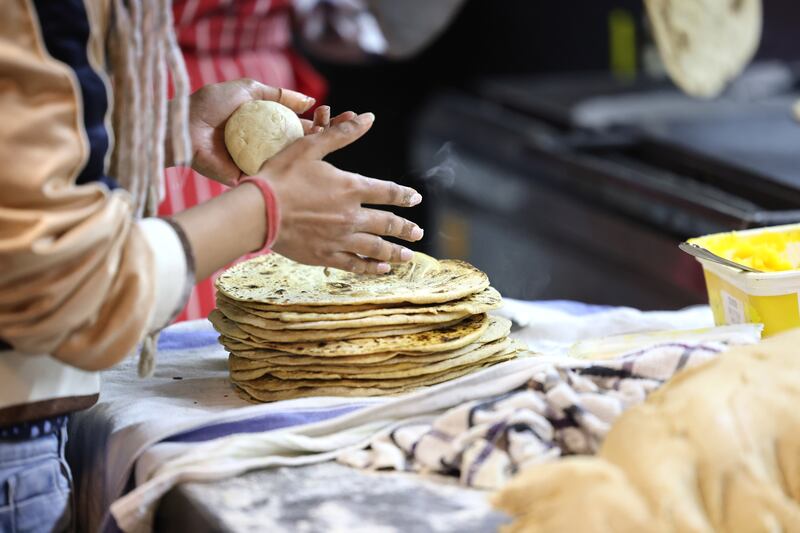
(243, 316)
(323, 335)
(497, 329)
(276, 280)
(474, 304)
(269, 390)
(705, 43)
(439, 340)
(244, 369)
(250, 333)
(273, 383)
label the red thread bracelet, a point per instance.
(272, 211)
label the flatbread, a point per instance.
(386, 371)
(273, 390)
(310, 335)
(439, 340)
(243, 316)
(498, 328)
(258, 397)
(275, 384)
(474, 304)
(245, 351)
(322, 310)
(226, 327)
(244, 369)
(276, 280)
(705, 43)
(249, 333)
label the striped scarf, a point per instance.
(143, 50)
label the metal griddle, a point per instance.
(591, 183)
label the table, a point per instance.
(327, 497)
(136, 419)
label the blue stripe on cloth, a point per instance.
(171, 339)
(65, 30)
(573, 308)
(257, 424)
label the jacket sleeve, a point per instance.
(79, 278)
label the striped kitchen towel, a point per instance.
(560, 410)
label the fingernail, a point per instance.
(309, 103)
(406, 254)
(414, 200)
(417, 233)
(384, 268)
(365, 118)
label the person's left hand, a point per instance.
(209, 109)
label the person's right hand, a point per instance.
(323, 221)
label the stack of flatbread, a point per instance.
(294, 330)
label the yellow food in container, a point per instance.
(771, 298)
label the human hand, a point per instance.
(212, 105)
(322, 119)
(323, 221)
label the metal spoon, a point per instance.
(703, 253)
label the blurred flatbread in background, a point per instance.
(705, 43)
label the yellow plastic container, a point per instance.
(769, 298)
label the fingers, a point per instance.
(331, 139)
(381, 192)
(353, 263)
(310, 127)
(338, 119)
(297, 102)
(373, 247)
(387, 224)
(322, 116)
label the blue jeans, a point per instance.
(35, 484)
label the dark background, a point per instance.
(494, 38)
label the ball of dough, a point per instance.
(257, 131)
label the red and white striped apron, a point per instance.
(225, 40)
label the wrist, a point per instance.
(271, 212)
(224, 228)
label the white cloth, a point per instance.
(163, 465)
(189, 389)
(26, 378)
(550, 330)
(171, 273)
